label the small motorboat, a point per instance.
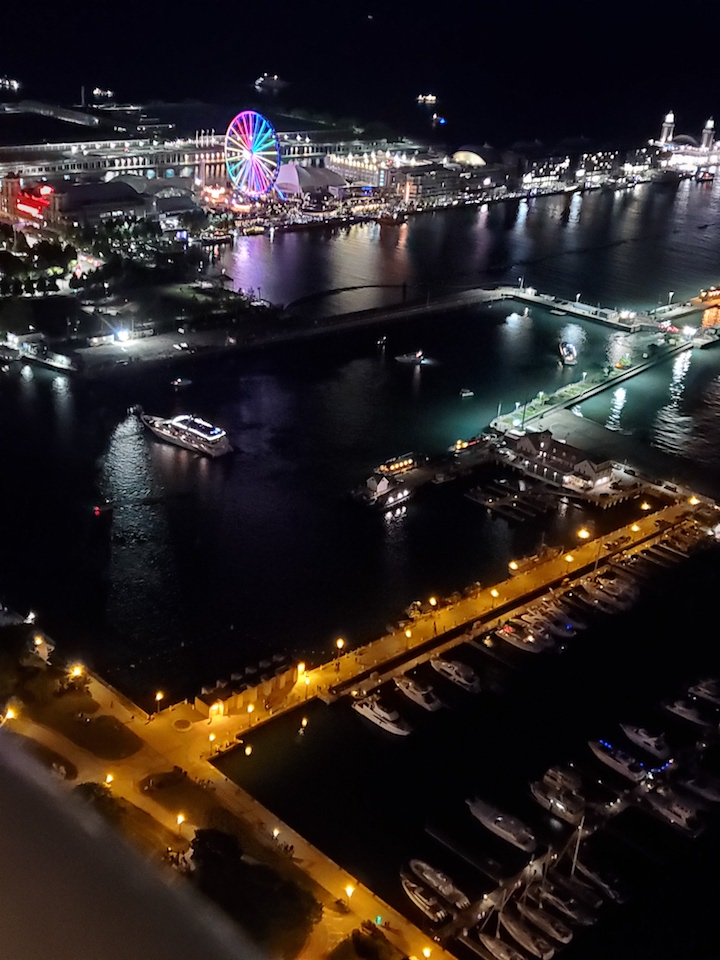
(465, 392)
(568, 353)
(180, 383)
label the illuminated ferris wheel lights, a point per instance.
(252, 154)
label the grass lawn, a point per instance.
(46, 756)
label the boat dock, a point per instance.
(511, 502)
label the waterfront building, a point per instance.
(684, 153)
(561, 462)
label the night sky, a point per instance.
(504, 72)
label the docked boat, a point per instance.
(703, 786)
(653, 743)
(598, 593)
(440, 882)
(386, 718)
(503, 825)
(546, 922)
(499, 949)
(618, 760)
(396, 466)
(568, 353)
(565, 904)
(189, 432)
(580, 890)
(668, 805)
(416, 358)
(564, 780)
(681, 708)
(609, 886)
(548, 625)
(563, 805)
(459, 673)
(533, 942)
(421, 694)
(522, 636)
(708, 689)
(424, 900)
(465, 392)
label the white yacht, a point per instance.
(388, 719)
(618, 760)
(708, 689)
(424, 900)
(545, 623)
(440, 883)
(546, 922)
(503, 825)
(563, 805)
(681, 708)
(653, 743)
(668, 805)
(421, 694)
(560, 612)
(522, 636)
(460, 673)
(499, 949)
(533, 942)
(190, 432)
(703, 786)
(580, 890)
(417, 358)
(614, 601)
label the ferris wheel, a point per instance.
(252, 154)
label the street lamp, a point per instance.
(211, 738)
(433, 601)
(577, 298)
(276, 833)
(109, 779)
(9, 714)
(513, 565)
(569, 558)
(250, 708)
(494, 593)
(339, 644)
(76, 671)
(671, 294)
(426, 952)
(645, 505)
(635, 528)
(158, 697)
(307, 686)
(584, 533)
(248, 750)
(349, 891)
(693, 501)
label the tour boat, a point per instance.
(421, 694)
(424, 900)
(618, 760)
(398, 465)
(653, 743)
(459, 673)
(440, 883)
(568, 353)
(503, 825)
(386, 718)
(465, 392)
(190, 432)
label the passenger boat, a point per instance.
(441, 883)
(503, 825)
(465, 392)
(416, 358)
(459, 673)
(681, 708)
(372, 708)
(618, 760)
(563, 805)
(421, 694)
(546, 922)
(180, 383)
(652, 743)
(398, 465)
(533, 942)
(189, 432)
(424, 900)
(568, 353)
(499, 949)
(427, 98)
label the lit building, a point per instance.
(686, 154)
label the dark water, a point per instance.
(385, 800)
(211, 565)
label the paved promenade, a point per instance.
(180, 736)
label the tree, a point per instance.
(10, 265)
(29, 285)
(42, 285)
(20, 245)
(99, 797)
